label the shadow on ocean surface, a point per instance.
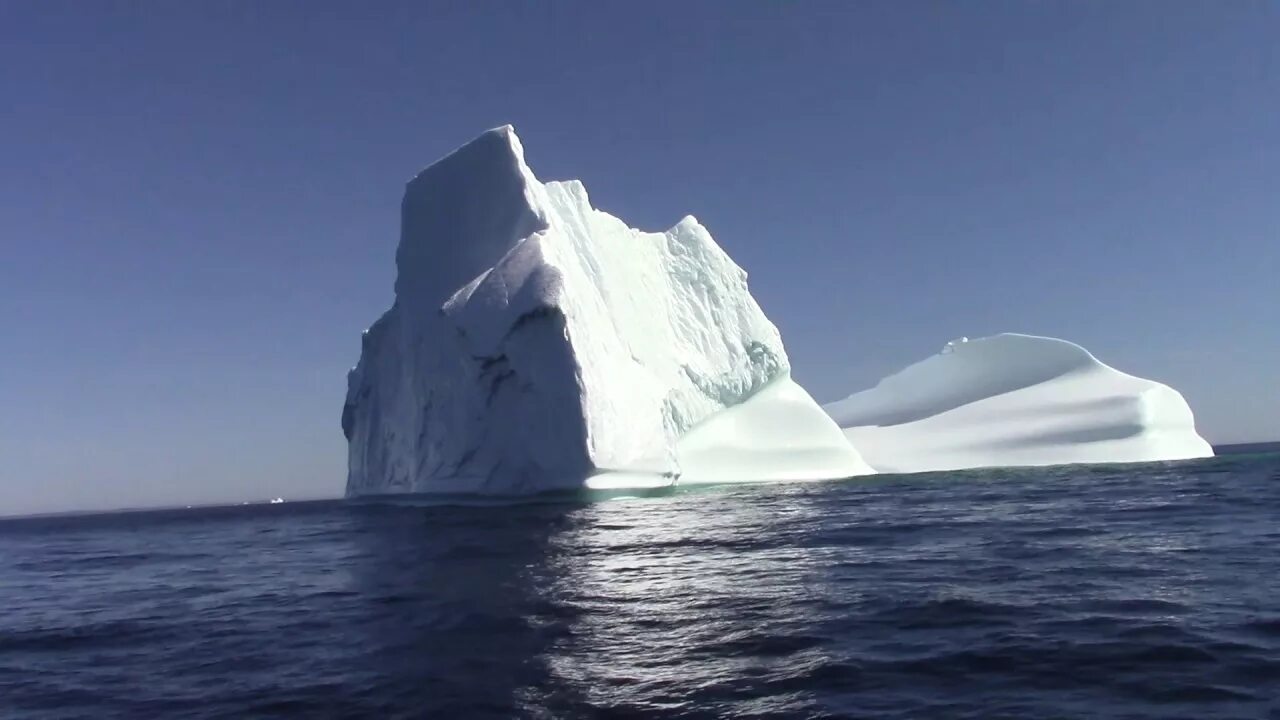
(452, 605)
(666, 605)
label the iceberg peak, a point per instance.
(537, 342)
(463, 213)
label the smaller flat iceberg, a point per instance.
(1014, 400)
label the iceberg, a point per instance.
(1013, 400)
(537, 343)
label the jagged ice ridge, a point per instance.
(537, 343)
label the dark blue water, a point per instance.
(1107, 592)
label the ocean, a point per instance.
(1143, 591)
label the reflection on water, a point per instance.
(682, 589)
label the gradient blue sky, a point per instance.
(199, 201)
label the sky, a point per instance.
(199, 201)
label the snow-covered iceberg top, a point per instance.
(536, 343)
(1011, 400)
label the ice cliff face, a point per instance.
(538, 343)
(1010, 400)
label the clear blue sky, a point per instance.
(199, 201)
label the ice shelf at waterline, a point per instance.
(1010, 400)
(537, 343)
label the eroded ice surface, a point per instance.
(538, 343)
(1011, 400)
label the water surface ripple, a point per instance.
(1084, 592)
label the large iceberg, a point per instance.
(537, 343)
(1010, 400)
